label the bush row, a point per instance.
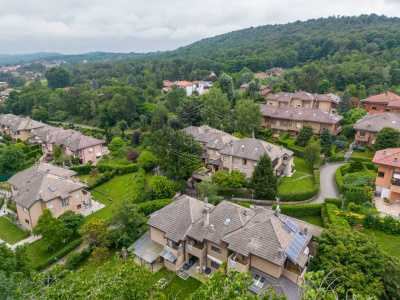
(301, 210)
(149, 207)
(139, 187)
(75, 259)
(64, 251)
(34, 147)
(362, 159)
(302, 195)
(336, 201)
(298, 151)
(117, 169)
(332, 212)
(33, 154)
(244, 204)
(341, 186)
(370, 166)
(82, 170)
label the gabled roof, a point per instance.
(178, 217)
(45, 187)
(387, 157)
(23, 177)
(253, 149)
(221, 141)
(16, 123)
(382, 98)
(183, 83)
(376, 122)
(197, 131)
(299, 114)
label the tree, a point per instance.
(57, 152)
(72, 220)
(126, 223)
(248, 117)
(264, 181)
(147, 160)
(132, 155)
(53, 230)
(116, 143)
(226, 85)
(312, 153)
(189, 111)
(216, 110)
(94, 173)
(356, 166)
(162, 187)
(326, 140)
(58, 78)
(323, 86)
(14, 261)
(12, 158)
(40, 114)
(348, 131)
(358, 264)
(344, 103)
(208, 190)
(304, 136)
(94, 84)
(221, 179)
(355, 114)
(254, 88)
(135, 137)
(387, 137)
(94, 232)
(122, 126)
(130, 79)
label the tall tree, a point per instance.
(53, 230)
(72, 220)
(312, 152)
(344, 103)
(189, 112)
(40, 114)
(123, 125)
(226, 85)
(12, 158)
(216, 110)
(130, 79)
(387, 137)
(326, 140)
(58, 78)
(304, 136)
(254, 88)
(248, 117)
(264, 181)
(94, 84)
(209, 190)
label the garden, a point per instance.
(11, 233)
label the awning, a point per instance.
(168, 256)
(146, 248)
(215, 259)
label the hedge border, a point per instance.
(301, 210)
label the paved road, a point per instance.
(327, 187)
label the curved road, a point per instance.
(327, 188)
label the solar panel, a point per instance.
(295, 246)
(291, 225)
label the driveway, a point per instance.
(327, 188)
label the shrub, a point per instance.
(333, 217)
(354, 147)
(343, 188)
(356, 179)
(336, 201)
(34, 154)
(301, 210)
(149, 207)
(361, 149)
(82, 170)
(75, 259)
(340, 143)
(244, 204)
(356, 166)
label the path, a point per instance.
(327, 188)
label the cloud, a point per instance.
(72, 26)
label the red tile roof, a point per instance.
(185, 83)
(387, 157)
(260, 75)
(382, 98)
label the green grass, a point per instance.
(181, 289)
(389, 243)
(301, 180)
(10, 233)
(369, 154)
(88, 269)
(312, 220)
(89, 179)
(38, 252)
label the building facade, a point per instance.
(379, 103)
(17, 127)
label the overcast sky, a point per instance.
(79, 26)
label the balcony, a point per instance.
(281, 127)
(238, 264)
(197, 249)
(176, 251)
(202, 174)
(361, 138)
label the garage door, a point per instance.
(385, 193)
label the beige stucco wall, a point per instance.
(22, 216)
(157, 235)
(35, 212)
(324, 106)
(222, 257)
(384, 181)
(265, 266)
(86, 154)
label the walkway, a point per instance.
(392, 208)
(91, 209)
(327, 188)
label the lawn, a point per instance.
(359, 154)
(38, 252)
(312, 220)
(389, 243)
(88, 269)
(301, 180)
(11, 233)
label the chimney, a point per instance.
(387, 93)
(252, 134)
(245, 212)
(277, 211)
(211, 228)
(281, 147)
(206, 213)
(231, 144)
(176, 197)
(305, 230)
(369, 124)
(280, 253)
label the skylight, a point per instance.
(227, 221)
(53, 188)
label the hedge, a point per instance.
(333, 217)
(301, 210)
(371, 166)
(33, 154)
(244, 204)
(118, 169)
(362, 159)
(302, 195)
(149, 207)
(298, 151)
(341, 186)
(139, 187)
(75, 259)
(236, 193)
(64, 251)
(34, 147)
(336, 201)
(82, 170)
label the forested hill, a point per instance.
(295, 43)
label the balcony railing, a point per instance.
(238, 264)
(361, 138)
(196, 249)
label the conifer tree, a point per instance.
(344, 103)
(94, 84)
(130, 79)
(226, 85)
(326, 140)
(264, 181)
(305, 135)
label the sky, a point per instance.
(80, 26)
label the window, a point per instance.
(282, 104)
(244, 170)
(216, 249)
(236, 169)
(235, 160)
(254, 164)
(324, 127)
(298, 105)
(78, 195)
(25, 210)
(26, 221)
(373, 107)
(211, 152)
(79, 206)
(381, 174)
(224, 158)
(277, 122)
(217, 153)
(259, 281)
(316, 126)
(64, 202)
(51, 206)
(362, 133)
(244, 161)
(215, 265)
(227, 221)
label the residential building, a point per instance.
(378, 103)
(293, 119)
(324, 102)
(276, 71)
(47, 186)
(17, 127)
(260, 75)
(387, 183)
(227, 152)
(265, 90)
(71, 142)
(369, 126)
(189, 87)
(276, 249)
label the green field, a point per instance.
(312, 220)
(302, 179)
(358, 154)
(88, 269)
(10, 233)
(389, 243)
